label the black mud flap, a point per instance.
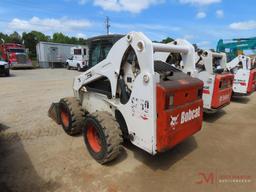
(54, 112)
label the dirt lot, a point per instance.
(36, 155)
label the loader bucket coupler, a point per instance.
(54, 112)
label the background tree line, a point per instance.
(32, 38)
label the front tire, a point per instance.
(71, 116)
(102, 136)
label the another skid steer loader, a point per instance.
(130, 96)
(209, 67)
(245, 75)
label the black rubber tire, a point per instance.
(67, 66)
(75, 115)
(7, 73)
(79, 68)
(109, 133)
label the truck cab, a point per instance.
(16, 55)
(78, 59)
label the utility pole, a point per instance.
(107, 24)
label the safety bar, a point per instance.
(217, 54)
(160, 47)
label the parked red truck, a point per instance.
(16, 55)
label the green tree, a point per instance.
(30, 42)
(167, 40)
(60, 38)
(40, 36)
(15, 37)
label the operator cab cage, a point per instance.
(210, 61)
(100, 46)
(240, 62)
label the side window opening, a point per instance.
(130, 69)
(102, 86)
(95, 54)
(77, 52)
(175, 60)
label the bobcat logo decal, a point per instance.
(174, 120)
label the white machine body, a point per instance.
(204, 67)
(245, 76)
(140, 111)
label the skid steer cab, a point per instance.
(245, 75)
(129, 96)
(209, 67)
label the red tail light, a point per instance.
(206, 91)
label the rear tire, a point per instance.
(102, 136)
(71, 116)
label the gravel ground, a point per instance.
(36, 154)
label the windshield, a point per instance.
(16, 50)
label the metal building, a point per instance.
(53, 54)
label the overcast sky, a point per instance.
(200, 21)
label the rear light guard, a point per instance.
(200, 93)
(225, 83)
(169, 101)
(171, 97)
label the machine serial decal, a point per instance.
(140, 108)
(224, 98)
(88, 75)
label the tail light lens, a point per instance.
(200, 93)
(171, 100)
(230, 82)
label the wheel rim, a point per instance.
(65, 118)
(93, 138)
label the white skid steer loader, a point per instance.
(245, 75)
(130, 96)
(209, 67)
